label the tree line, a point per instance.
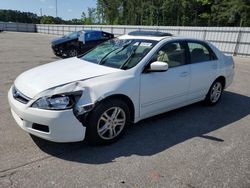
(174, 12)
(29, 17)
(150, 12)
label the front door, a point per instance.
(162, 91)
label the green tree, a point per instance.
(47, 20)
(17, 16)
(175, 12)
(231, 13)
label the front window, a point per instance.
(119, 53)
(171, 53)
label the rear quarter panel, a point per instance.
(226, 65)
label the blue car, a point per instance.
(78, 42)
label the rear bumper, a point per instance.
(62, 125)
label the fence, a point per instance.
(230, 40)
(20, 27)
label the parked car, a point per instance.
(78, 42)
(121, 81)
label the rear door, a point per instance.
(204, 65)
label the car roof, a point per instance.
(155, 38)
(93, 31)
(149, 33)
(188, 39)
(146, 35)
(159, 38)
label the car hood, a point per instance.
(60, 40)
(58, 73)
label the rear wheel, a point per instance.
(107, 122)
(214, 93)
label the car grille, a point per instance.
(19, 96)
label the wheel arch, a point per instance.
(222, 79)
(124, 98)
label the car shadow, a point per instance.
(158, 133)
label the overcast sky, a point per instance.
(66, 9)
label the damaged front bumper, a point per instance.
(57, 126)
(57, 50)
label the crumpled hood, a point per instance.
(61, 72)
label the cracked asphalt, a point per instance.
(195, 146)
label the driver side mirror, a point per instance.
(158, 66)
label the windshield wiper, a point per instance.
(103, 58)
(122, 48)
(131, 55)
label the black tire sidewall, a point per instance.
(92, 136)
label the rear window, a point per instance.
(106, 36)
(92, 36)
(200, 52)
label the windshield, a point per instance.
(119, 53)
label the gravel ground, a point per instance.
(195, 146)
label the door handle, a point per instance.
(184, 74)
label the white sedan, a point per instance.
(122, 81)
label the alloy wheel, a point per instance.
(215, 92)
(111, 123)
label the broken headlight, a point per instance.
(57, 102)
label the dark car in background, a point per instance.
(78, 42)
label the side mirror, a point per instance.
(158, 66)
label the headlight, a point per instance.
(57, 102)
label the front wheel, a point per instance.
(214, 93)
(107, 122)
(72, 52)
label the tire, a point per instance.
(72, 52)
(58, 54)
(214, 94)
(101, 127)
